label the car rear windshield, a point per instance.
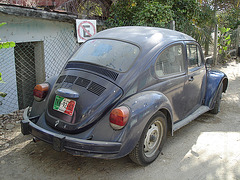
(113, 54)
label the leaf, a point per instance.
(1, 24)
(5, 45)
(1, 81)
(228, 37)
(2, 94)
(12, 44)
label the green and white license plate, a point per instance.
(64, 105)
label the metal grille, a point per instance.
(29, 63)
(82, 82)
(57, 55)
(96, 88)
(25, 73)
(61, 78)
(7, 68)
(70, 79)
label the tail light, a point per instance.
(119, 117)
(40, 91)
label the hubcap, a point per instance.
(153, 138)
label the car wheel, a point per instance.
(216, 108)
(151, 141)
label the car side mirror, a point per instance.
(209, 62)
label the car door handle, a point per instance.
(191, 78)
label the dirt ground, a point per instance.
(207, 148)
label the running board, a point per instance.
(201, 110)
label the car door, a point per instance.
(195, 85)
(170, 69)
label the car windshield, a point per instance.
(113, 54)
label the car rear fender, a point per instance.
(39, 107)
(214, 79)
(142, 107)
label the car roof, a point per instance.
(145, 37)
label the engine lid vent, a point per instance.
(61, 78)
(70, 79)
(96, 88)
(82, 82)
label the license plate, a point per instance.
(64, 105)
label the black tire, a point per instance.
(152, 140)
(216, 108)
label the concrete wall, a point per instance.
(57, 43)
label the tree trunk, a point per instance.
(206, 47)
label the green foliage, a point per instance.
(7, 45)
(154, 14)
(139, 13)
(194, 19)
(1, 24)
(190, 17)
(89, 8)
(2, 94)
(224, 41)
(229, 18)
(1, 81)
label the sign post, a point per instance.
(85, 29)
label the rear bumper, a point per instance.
(75, 146)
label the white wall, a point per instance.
(58, 40)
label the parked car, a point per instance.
(122, 91)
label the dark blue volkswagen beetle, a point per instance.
(122, 91)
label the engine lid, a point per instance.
(79, 99)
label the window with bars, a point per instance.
(27, 62)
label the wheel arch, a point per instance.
(169, 118)
(214, 79)
(225, 84)
(142, 107)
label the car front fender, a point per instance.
(214, 79)
(142, 107)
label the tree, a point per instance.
(228, 20)
(190, 17)
(139, 13)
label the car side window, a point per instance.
(170, 61)
(194, 56)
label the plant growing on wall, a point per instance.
(5, 45)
